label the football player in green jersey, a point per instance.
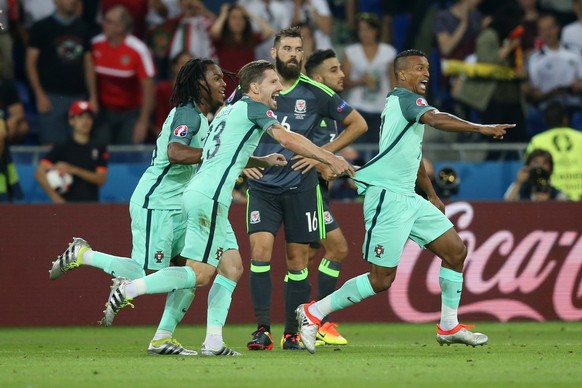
(157, 222)
(393, 212)
(233, 136)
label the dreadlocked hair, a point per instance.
(191, 82)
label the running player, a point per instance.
(233, 137)
(157, 223)
(393, 212)
(290, 195)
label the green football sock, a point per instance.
(177, 304)
(170, 279)
(451, 283)
(115, 265)
(353, 291)
(219, 299)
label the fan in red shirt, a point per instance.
(125, 81)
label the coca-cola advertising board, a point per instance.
(524, 263)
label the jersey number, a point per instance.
(285, 124)
(216, 140)
(311, 221)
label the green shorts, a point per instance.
(392, 218)
(158, 236)
(208, 231)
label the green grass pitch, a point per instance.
(388, 355)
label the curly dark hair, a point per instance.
(191, 82)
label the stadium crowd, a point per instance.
(491, 60)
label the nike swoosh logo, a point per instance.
(458, 291)
(184, 310)
(113, 273)
(350, 299)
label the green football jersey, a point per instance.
(162, 184)
(400, 149)
(233, 137)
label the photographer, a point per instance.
(533, 180)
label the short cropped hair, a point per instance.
(316, 59)
(291, 32)
(253, 72)
(399, 61)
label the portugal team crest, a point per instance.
(379, 250)
(255, 217)
(181, 130)
(219, 253)
(421, 102)
(300, 106)
(159, 256)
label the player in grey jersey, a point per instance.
(290, 195)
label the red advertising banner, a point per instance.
(524, 263)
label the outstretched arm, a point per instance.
(302, 146)
(266, 161)
(448, 122)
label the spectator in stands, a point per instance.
(306, 32)
(498, 99)
(369, 71)
(11, 109)
(160, 10)
(272, 11)
(561, 9)
(36, 10)
(456, 29)
(572, 33)
(555, 72)
(187, 32)
(565, 146)
(532, 182)
(125, 81)
(9, 184)
(59, 68)
(531, 15)
(379, 8)
(138, 9)
(317, 15)
(164, 90)
(83, 159)
(233, 36)
(6, 43)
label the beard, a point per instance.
(287, 72)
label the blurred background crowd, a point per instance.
(492, 61)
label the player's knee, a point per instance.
(338, 252)
(232, 270)
(382, 282)
(458, 255)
